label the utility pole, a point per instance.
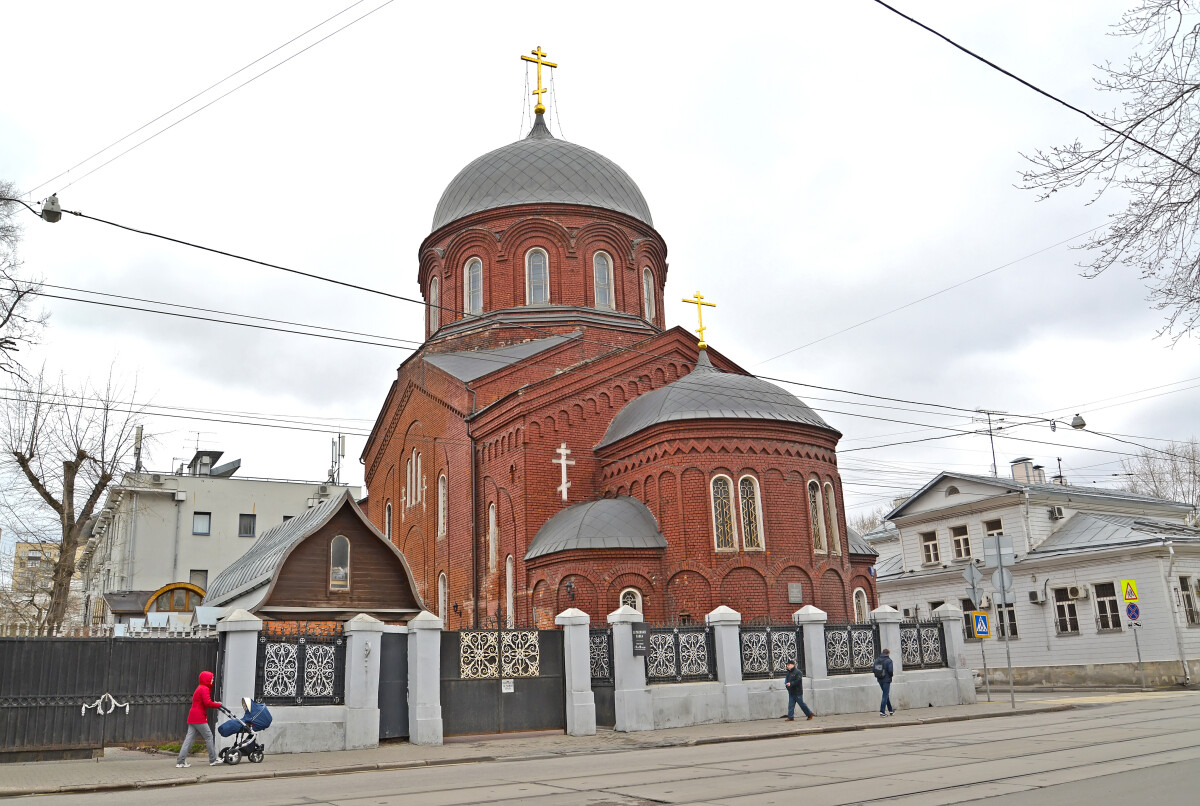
(991, 439)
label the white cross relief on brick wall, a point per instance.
(562, 461)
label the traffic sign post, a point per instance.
(1003, 580)
(973, 577)
(1133, 612)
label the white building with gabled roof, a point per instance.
(1072, 548)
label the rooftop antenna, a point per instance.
(339, 453)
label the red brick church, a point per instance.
(552, 444)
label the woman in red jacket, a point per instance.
(198, 722)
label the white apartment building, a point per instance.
(1072, 547)
(160, 537)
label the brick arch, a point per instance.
(745, 590)
(414, 552)
(688, 592)
(543, 605)
(832, 595)
(585, 594)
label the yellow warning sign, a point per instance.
(1129, 590)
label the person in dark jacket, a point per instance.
(883, 673)
(198, 722)
(794, 683)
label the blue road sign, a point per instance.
(982, 625)
(1132, 611)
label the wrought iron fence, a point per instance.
(922, 645)
(766, 651)
(300, 667)
(600, 655)
(851, 648)
(494, 654)
(678, 654)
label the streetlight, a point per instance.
(51, 210)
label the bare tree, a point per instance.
(62, 447)
(864, 522)
(1172, 472)
(1156, 232)
(20, 319)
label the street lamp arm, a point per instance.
(51, 211)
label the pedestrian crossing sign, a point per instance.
(1129, 590)
(981, 624)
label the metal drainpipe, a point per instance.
(1187, 677)
(175, 555)
(132, 542)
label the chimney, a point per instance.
(1039, 474)
(1022, 470)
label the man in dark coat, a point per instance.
(883, 673)
(794, 683)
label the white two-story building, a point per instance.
(1068, 622)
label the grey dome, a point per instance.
(610, 523)
(709, 394)
(540, 170)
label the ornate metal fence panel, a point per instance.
(922, 645)
(600, 655)
(679, 654)
(298, 667)
(851, 648)
(766, 651)
(495, 654)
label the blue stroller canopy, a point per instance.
(257, 716)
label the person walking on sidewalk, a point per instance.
(794, 683)
(198, 722)
(883, 673)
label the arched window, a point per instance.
(861, 606)
(951, 490)
(831, 518)
(602, 272)
(751, 507)
(648, 293)
(816, 517)
(443, 597)
(473, 286)
(435, 305)
(413, 496)
(417, 477)
(441, 505)
(339, 564)
(631, 597)
(492, 536)
(387, 521)
(509, 613)
(722, 505)
(537, 278)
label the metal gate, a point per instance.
(502, 680)
(600, 655)
(393, 686)
(69, 697)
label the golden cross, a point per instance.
(699, 302)
(538, 54)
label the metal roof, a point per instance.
(467, 365)
(709, 394)
(857, 544)
(1084, 531)
(610, 523)
(127, 601)
(537, 170)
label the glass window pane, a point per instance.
(723, 513)
(339, 564)
(602, 271)
(816, 520)
(434, 305)
(648, 293)
(751, 527)
(246, 525)
(201, 523)
(474, 286)
(539, 280)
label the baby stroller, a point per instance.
(244, 732)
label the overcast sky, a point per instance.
(810, 165)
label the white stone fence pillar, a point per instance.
(726, 625)
(239, 630)
(577, 668)
(888, 621)
(956, 658)
(632, 699)
(364, 639)
(425, 679)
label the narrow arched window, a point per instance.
(473, 286)
(509, 613)
(441, 529)
(831, 519)
(417, 477)
(750, 502)
(492, 536)
(443, 596)
(435, 305)
(861, 606)
(722, 506)
(631, 597)
(602, 273)
(387, 521)
(648, 293)
(816, 517)
(537, 278)
(406, 495)
(339, 564)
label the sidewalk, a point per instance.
(133, 769)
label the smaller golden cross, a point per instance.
(699, 302)
(539, 92)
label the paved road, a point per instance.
(1123, 749)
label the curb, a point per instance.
(256, 775)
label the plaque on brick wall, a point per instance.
(795, 593)
(641, 637)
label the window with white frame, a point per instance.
(473, 286)
(1189, 602)
(831, 520)
(537, 277)
(722, 507)
(862, 606)
(631, 597)
(1006, 620)
(509, 605)
(648, 293)
(993, 528)
(929, 548)
(387, 521)
(1108, 609)
(961, 542)
(435, 305)
(339, 564)
(443, 596)
(816, 517)
(1066, 619)
(442, 510)
(602, 274)
(750, 502)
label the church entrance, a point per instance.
(502, 680)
